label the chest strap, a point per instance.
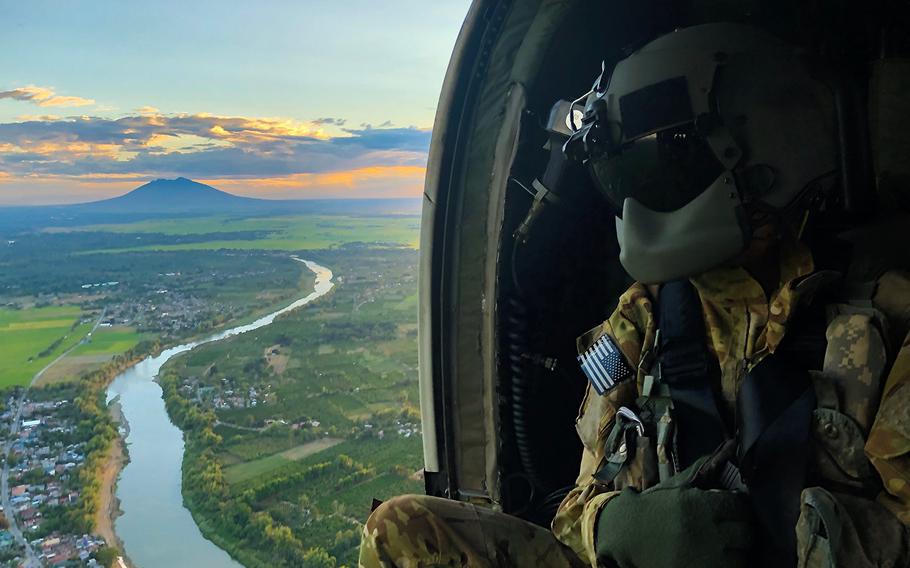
(690, 371)
(774, 407)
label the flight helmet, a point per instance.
(698, 133)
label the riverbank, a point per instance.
(109, 505)
(151, 488)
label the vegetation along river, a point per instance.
(155, 528)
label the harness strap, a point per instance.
(774, 408)
(691, 372)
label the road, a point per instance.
(31, 559)
(239, 427)
(68, 351)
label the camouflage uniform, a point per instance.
(743, 327)
(416, 531)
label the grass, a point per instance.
(283, 233)
(108, 341)
(90, 354)
(381, 455)
(25, 334)
(251, 469)
(70, 368)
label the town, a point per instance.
(46, 451)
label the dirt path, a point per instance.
(109, 507)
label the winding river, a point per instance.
(157, 531)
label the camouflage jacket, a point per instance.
(743, 326)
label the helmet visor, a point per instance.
(663, 171)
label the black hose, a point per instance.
(516, 337)
(549, 504)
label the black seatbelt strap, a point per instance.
(691, 372)
(775, 406)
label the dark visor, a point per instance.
(655, 107)
(663, 171)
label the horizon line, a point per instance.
(143, 184)
(37, 205)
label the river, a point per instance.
(157, 531)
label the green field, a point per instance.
(280, 233)
(262, 466)
(26, 334)
(108, 341)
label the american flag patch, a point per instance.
(604, 365)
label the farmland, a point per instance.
(32, 338)
(92, 353)
(109, 341)
(256, 233)
(245, 471)
(310, 442)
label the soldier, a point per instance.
(745, 404)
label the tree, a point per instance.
(107, 556)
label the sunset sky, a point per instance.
(278, 99)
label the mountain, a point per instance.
(179, 195)
(183, 197)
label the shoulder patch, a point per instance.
(604, 365)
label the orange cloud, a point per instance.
(243, 129)
(39, 117)
(44, 97)
(384, 181)
(61, 101)
(62, 150)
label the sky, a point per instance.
(288, 99)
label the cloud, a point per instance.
(38, 117)
(298, 156)
(44, 97)
(347, 178)
(330, 121)
(147, 110)
(411, 138)
(372, 181)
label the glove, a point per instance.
(676, 523)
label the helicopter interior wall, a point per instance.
(463, 222)
(566, 278)
(552, 287)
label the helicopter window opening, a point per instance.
(656, 107)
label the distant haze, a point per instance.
(174, 195)
(184, 197)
